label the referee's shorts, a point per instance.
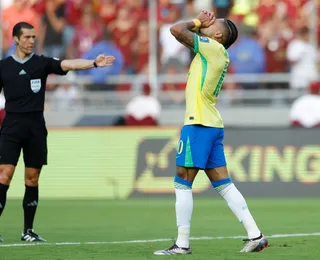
(26, 131)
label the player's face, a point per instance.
(26, 41)
(215, 30)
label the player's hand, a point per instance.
(206, 18)
(104, 61)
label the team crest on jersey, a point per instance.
(35, 85)
(204, 39)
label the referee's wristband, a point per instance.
(197, 24)
(95, 64)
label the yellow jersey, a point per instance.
(205, 79)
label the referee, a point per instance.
(23, 78)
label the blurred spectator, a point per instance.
(137, 9)
(171, 90)
(143, 109)
(170, 47)
(222, 8)
(164, 8)
(291, 9)
(2, 105)
(307, 11)
(54, 25)
(66, 96)
(274, 35)
(38, 5)
(87, 33)
(247, 55)
(107, 10)
(124, 32)
(266, 10)
(188, 11)
(276, 48)
(305, 111)
(107, 47)
(18, 11)
(74, 10)
(140, 47)
(243, 8)
(303, 58)
(200, 5)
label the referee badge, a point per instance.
(35, 85)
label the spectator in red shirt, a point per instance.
(87, 33)
(164, 8)
(18, 11)
(124, 32)
(138, 8)
(107, 10)
(74, 10)
(140, 47)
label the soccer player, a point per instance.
(201, 139)
(23, 78)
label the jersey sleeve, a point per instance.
(53, 66)
(206, 46)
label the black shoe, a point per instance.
(30, 236)
(174, 250)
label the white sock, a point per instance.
(239, 207)
(184, 207)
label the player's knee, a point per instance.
(182, 173)
(6, 173)
(32, 177)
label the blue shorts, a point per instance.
(201, 147)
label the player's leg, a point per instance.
(192, 153)
(35, 156)
(184, 203)
(217, 172)
(184, 207)
(10, 149)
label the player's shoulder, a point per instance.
(205, 40)
(7, 62)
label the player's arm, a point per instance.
(183, 32)
(82, 64)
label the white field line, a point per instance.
(150, 241)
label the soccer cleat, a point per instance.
(174, 250)
(30, 236)
(255, 244)
(1, 239)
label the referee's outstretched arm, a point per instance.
(79, 64)
(23, 77)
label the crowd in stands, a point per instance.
(274, 37)
(273, 34)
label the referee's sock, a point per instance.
(238, 205)
(30, 203)
(3, 196)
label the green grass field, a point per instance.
(103, 222)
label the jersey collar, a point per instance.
(22, 61)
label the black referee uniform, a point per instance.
(24, 84)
